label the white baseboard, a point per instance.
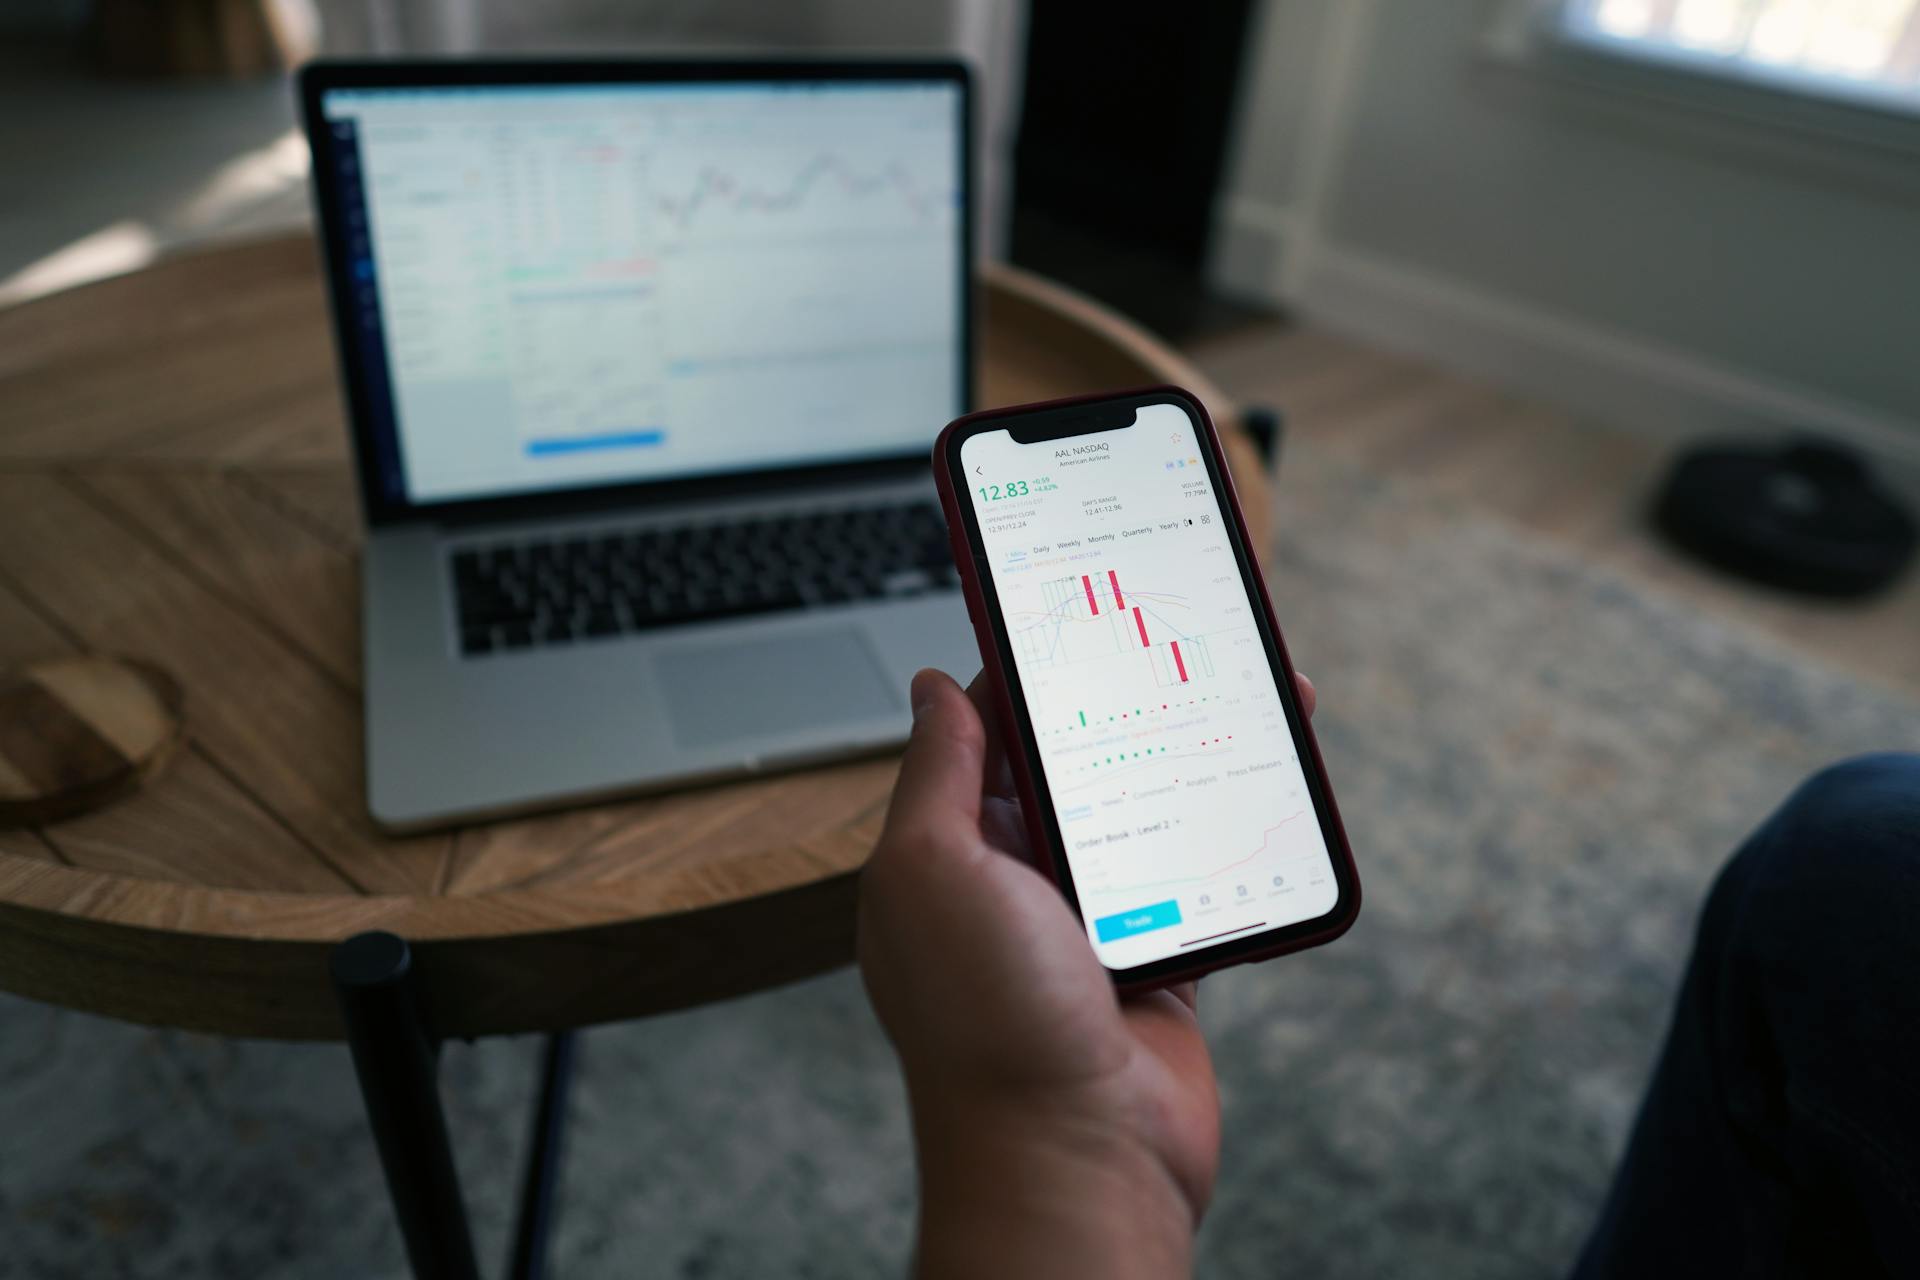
(1622, 379)
(1244, 260)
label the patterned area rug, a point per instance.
(1541, 768)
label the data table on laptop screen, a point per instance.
(573, 285)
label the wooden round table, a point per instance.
(175, 486)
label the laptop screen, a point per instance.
(562, 285)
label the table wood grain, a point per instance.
(175, 485)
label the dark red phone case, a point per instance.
(1047, 858)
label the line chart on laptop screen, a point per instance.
(578, 284)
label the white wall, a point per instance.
(1394, 178)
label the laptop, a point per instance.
(642, 362)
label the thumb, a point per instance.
(940, 774)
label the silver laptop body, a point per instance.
(643, 363)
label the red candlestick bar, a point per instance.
(1141, 623)
(1179, 664)
(1086, 584)
(1119, 602)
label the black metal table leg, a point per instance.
(540, 1190)
(397, 1061)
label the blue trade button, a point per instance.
(1161, 915)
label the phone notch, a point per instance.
(1080, 420)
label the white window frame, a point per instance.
(1701, 102)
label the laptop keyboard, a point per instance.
(552, 591)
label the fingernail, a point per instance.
(920, 693)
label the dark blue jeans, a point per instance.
(1781, 1133)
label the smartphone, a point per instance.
(1169, 778)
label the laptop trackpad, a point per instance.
(773, 687)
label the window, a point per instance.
(1862, 50)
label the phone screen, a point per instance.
(1170, 766)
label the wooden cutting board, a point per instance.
(82, 731)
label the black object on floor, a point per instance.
(1807, 517)
(1264, 426)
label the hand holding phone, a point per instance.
(1052, 1120)
(1169, 781)
(1025, 1075)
